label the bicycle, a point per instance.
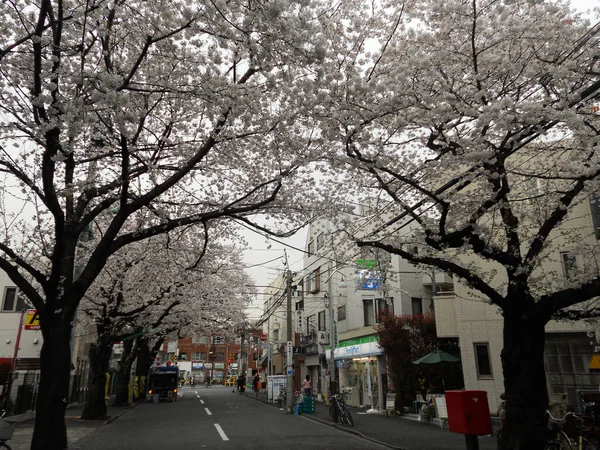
(7, 429)
(558, 439)
(338, 408)
(281, 399)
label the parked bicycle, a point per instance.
(339, 409)
(559, 439)
(7, 429)
(281, 399)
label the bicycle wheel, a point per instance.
(333, 411)
(564, 443)
(3, 444)
(348, 416)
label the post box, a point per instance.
(468, 412)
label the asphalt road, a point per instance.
(216, 418)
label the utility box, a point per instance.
(468, 412)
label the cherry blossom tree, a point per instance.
(151, 116)
(152, 288)
(476, 121)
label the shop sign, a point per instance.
(311, 349)
(357, 350)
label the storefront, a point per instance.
(359, 362)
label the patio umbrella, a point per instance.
(436, 356)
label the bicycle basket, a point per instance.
(7, 428)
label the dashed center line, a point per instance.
(202, 401)
(208, 411)
(221, 432)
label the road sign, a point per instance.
(290, 353)
(32, 320)
(299, 321)
(263, 337)
(289, 372)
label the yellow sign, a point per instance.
(32, 320)
(595, 362)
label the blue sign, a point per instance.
(368, 274)
(289, 372)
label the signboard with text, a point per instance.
(32, 320)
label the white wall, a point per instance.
(9, 327)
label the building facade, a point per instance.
(570, 346)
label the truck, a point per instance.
(163, 382)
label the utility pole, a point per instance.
(290, 344)
(331, 366)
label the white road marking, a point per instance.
(202, 401)
(208, 411)
(221, 432)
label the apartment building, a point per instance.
(362, 286)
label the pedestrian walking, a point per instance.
(256, 384)
(208, 381)
(306, 386)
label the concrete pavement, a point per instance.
(405, 433)
(401, 433)
(76, 428)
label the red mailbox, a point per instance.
(468, 412)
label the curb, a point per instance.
(113, 418)
(335, 425)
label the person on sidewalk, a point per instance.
(256, 384)
(306, 386)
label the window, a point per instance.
(384, 308)
(13, 301)
(218, 340)
(417, 306)
(276, 335)
(198, 356)
(569, 263)
(311, 248)
(314, 281)
(482, 360)
(320, 241)
(322, 321)
(341, 313)
(368, 312)
(311, 323)
(300, 305)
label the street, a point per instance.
(216, 418)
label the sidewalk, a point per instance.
(76, 429)
(401, 433)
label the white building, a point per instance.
(363, 285)
(20, 345)
(466, 315)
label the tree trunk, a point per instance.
(50, 431)
(95, 406)
(144, 362)
(524, 381)
(124, 375)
